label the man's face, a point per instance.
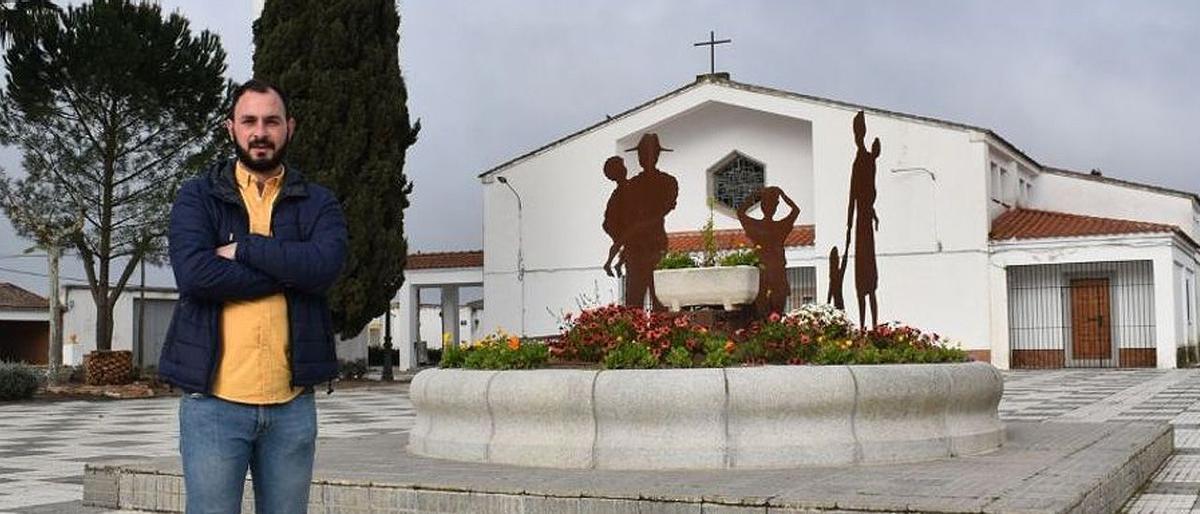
(648, 157)
(260, 130)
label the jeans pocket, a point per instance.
(195, 396)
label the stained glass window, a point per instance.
(736, 179)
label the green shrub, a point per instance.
(679, 357)
(491, 356)
(718, 354)
(630, 355)
(452, 356)
(352, 370)
(745, 257)
(677, 260)
(65, 374)
(496, 351)
(18, 381)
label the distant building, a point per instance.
(79, 322)
(79, 325)
(24, 325)
(1025, 264)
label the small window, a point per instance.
(735, 178)
(1188, 295)
(996, 181)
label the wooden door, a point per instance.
(1091, 326)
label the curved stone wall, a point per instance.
(755, 417)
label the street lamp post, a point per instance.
(933, 178)
(387, 375)
(520, 250)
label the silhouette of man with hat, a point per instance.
(652, 194)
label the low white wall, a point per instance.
(753, 417)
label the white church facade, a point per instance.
(1023, 264)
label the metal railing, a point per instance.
(1095, 314)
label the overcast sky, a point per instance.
(1076, 84)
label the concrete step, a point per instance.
(1043, 467)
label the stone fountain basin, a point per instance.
(752, 417)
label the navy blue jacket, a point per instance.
(301, 260)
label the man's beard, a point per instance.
(260, 165)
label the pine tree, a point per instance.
(338, 62)
(112, 105)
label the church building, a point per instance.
(1025, 265)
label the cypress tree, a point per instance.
(338, 61)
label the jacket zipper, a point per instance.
(217, 350)
(287, 297)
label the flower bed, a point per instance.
(740, 412)
(617, 337)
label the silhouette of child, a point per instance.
(837, 273)
(616, 213)
(768, 235)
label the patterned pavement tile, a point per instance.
(44, 445)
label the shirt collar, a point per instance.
(246, 179)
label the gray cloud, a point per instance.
(1077, 84)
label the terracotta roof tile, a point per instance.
(13, 297)
(692, 241)
(1035, 224)
(470, 259)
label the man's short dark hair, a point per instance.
(258, 86)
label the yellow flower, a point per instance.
(729, 346)
(514, 342)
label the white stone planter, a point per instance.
(756, 417)
(725, 285)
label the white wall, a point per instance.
(808, 149)
(79, 318)
(1078, 195)
(431, 326)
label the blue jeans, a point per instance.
(219, 440)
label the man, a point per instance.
(254, 249)
(861, 216)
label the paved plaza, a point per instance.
(44, 445)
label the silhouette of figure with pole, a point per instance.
(616, 213)
(862, 218)
(651, 195)
(768, 235)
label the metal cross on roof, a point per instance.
(712, 49)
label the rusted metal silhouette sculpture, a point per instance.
(637, 209)
(863, 220)
(616, 213)
(837, 271)
(768, 235)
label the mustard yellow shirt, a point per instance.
(254, 366)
